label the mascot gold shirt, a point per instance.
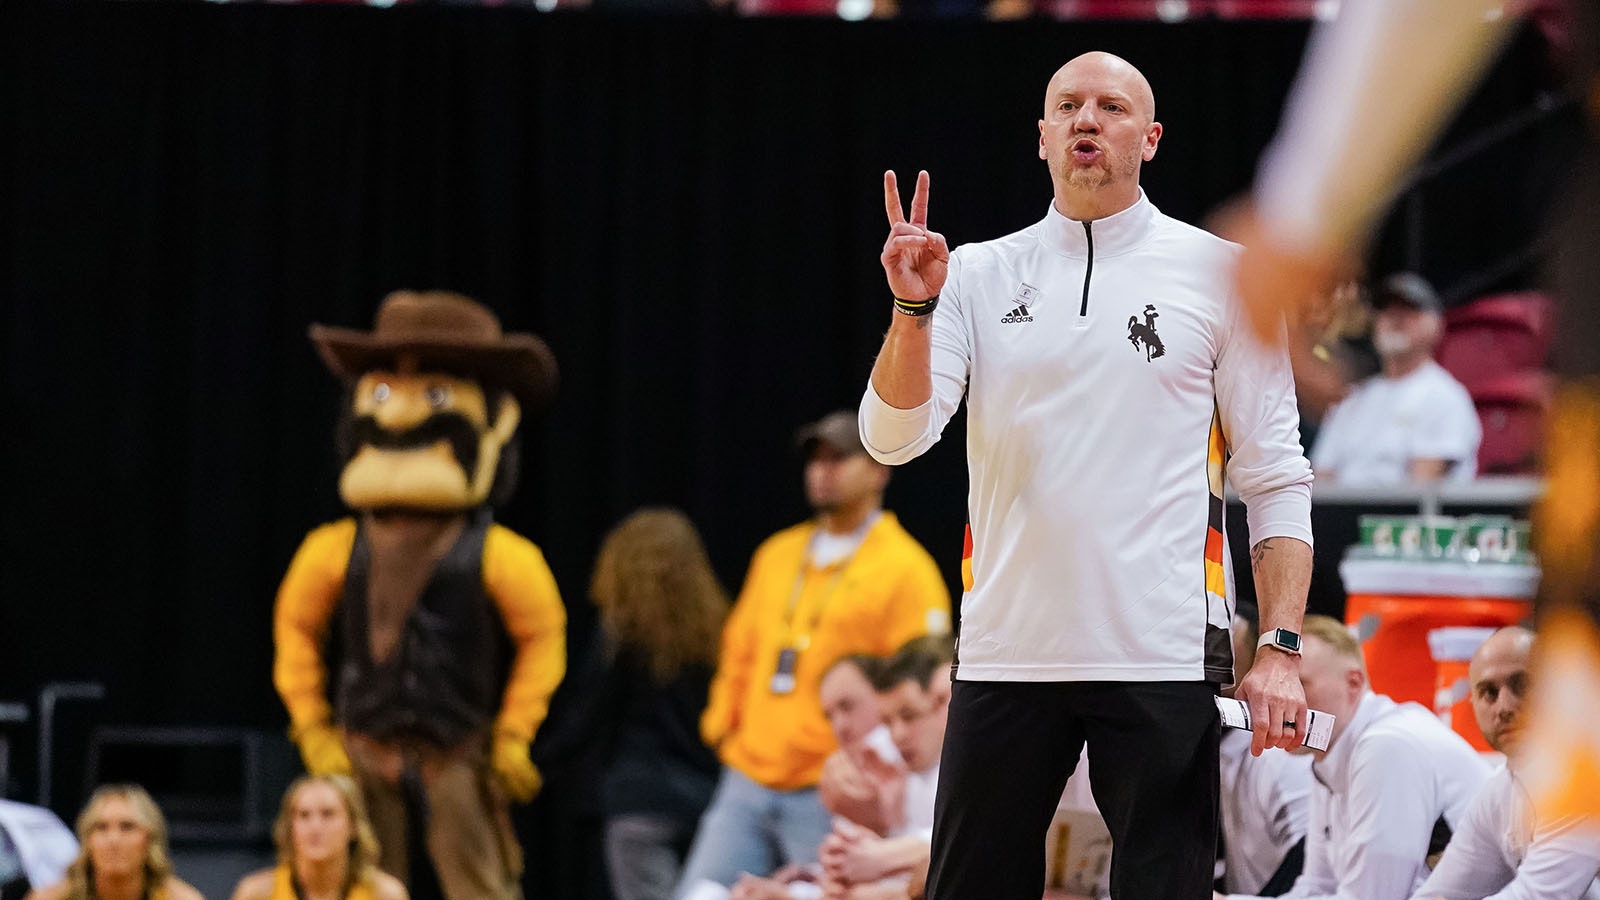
(451, 633)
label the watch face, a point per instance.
(1288, 640)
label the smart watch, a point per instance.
(1282, 639)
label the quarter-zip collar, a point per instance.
(1114, 234)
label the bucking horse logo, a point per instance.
(1145, 333)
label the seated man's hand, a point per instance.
(849, 792)
(854, 859)
(752, 887)
(879, 769)
(831, 854)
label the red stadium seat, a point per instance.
(1264, 9)
(1511, 408)
(1495, 336)
(787, 7)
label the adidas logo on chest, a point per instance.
(1017, 316)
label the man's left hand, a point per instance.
(1277, 701)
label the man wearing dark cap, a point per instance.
(849, 580)
(1412, 421)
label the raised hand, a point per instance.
(1273, 282)
(915, 259)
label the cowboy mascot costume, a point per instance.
(450, 635)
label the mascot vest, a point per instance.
(439, 684)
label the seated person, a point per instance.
(124, 853)
(326, 848)
(1500, 850)
(1392, 785)
(36, 848)
(1265, 799)
(914, 695)
(851, 706)
(1410, 422)
(912, 691)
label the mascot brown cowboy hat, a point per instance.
(435, 378)
(447, 331)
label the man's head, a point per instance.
(839, 475)
(1332, 670)
(1498, 674)
(1098, 128)
(849, 700)
(914, 698)
(1408, 321)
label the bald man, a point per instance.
(1107, 384)
(1502, 849)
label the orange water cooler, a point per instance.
(1393, 603)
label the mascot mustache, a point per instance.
(364, 431)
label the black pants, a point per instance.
(1008, 751)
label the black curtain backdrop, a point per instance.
(688, 210)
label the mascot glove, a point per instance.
(322, 747)
(517, 774)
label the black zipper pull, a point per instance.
(1088, 234)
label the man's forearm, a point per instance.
(905, 853)
(1282, 570)
(903, 372)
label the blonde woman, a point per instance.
(661, 609)
(124, 853)
(326, 848)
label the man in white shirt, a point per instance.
(1392, 785)
(1501, 851)
(1410, 422)
(1111, 386)
(1266, 800)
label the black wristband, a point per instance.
(916, 307)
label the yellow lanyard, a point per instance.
(802, 640)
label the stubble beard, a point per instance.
(1105, 174)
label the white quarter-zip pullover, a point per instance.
(1107, 375)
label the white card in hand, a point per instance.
(1315, 734)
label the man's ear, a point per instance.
(1152, 139)
(1356, 679)
(884, 473)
